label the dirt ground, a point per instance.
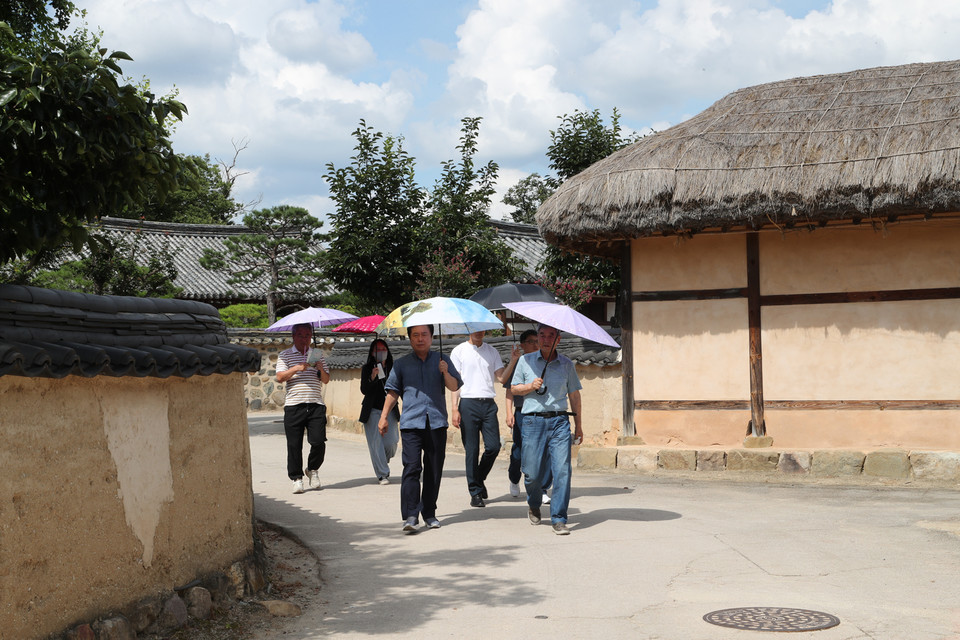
(293, 573)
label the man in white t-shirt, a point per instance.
(303, 408)
(475, 409)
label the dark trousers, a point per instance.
(513, 471)
(312, 418)
(423, 452)
(478, 418)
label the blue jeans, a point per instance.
(513, 471)
(546, 448)
(381, 447)
(478, 418)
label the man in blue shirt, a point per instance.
(419, 380)
(547, 380)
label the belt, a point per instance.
(551, 414)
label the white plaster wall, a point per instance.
(906, 350)
(901, 256)
(691, 350)
(701, 262)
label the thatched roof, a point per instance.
(871, 144)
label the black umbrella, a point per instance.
(494, 297)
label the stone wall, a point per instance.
(115, 489)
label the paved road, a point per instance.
(647, 557)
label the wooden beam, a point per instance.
(894, 295)
(626, 341)
(757, 426)
(689, 294)
(799, 405)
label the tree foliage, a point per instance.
(205, 200)
(33, 20)
(245, 316)
(527, 195)
(76, 141)
(118, 266)
(441, 276)
(581, 140)
(283, 247)
(375, 238)
(458, 222)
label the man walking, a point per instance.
(547, 380)
(303, 407)
(475, 409)
(419, 380)
(529, 344)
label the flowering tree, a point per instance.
(573, 292)
(453, 278)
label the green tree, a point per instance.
(458, 222)
(581, 140)
(33, 20)
(76, 141)
(206, 200)
(282, 249)
(527, 195)
(119, 267)
(245, 316)
(442, 277)
(374, 249)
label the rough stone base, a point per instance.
(887, 463)
(597, 458)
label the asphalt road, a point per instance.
(647, 557)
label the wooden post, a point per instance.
(626, 340)
(757, 425)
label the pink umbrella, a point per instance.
(563, 318)
(366, 324)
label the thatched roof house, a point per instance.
(794, 248)
(874, 144)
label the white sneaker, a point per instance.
(546, 498)
(314, 479)
(298, 486)
(515, 489)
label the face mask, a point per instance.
(380, 356)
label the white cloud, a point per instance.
(312, 33)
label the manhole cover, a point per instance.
(772, 619)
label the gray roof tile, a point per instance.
(49, 333)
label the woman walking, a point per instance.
(373, 376)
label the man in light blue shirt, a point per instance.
(547, 381)
(420, 380)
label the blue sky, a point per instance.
(293, 78)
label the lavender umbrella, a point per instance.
(563, 318)
(316, 316)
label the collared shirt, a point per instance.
(422, 392)
(304, 387)
(477, 367)
(560, 379)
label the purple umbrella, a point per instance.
(315, 316)
(563, 318)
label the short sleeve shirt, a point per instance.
(304, 387)
(422, 392)
(560, 379)
(477, 367)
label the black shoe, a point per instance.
(534, 515)
(476, 501)
(483, 492)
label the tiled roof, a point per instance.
(352, 355)
(526, 243)
(52, 334)
(189, 241)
